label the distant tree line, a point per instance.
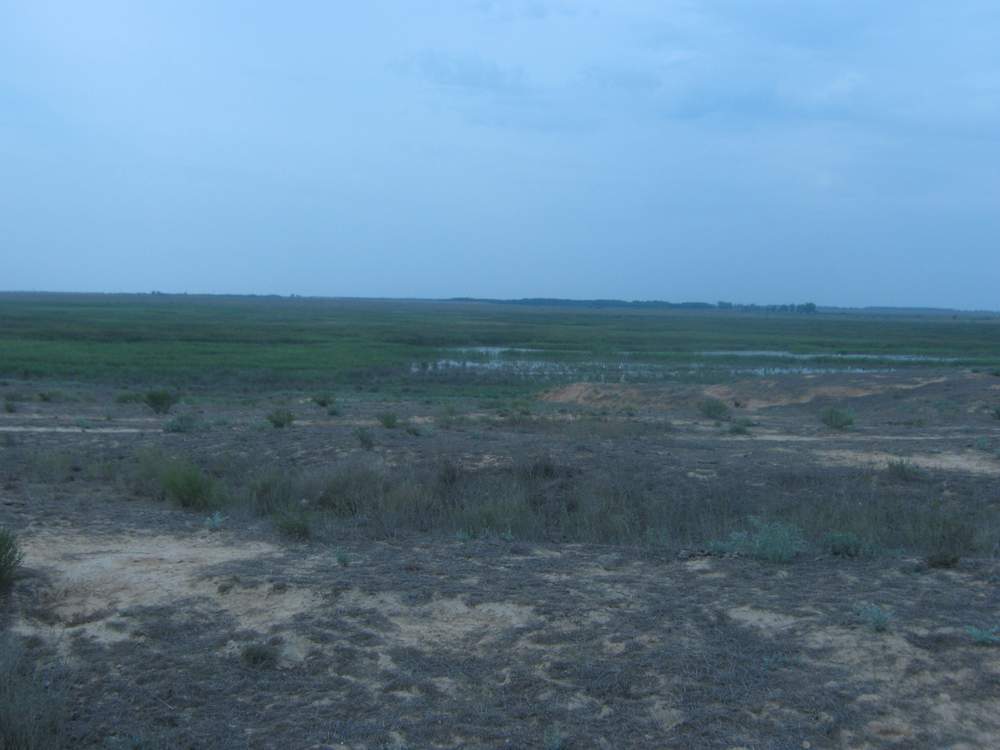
(805, 308)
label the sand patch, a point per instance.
(442, 623)
(972, 462)
(93, 579)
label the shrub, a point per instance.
(10, 557)
(771, 541)
(996, 412)
(187, 486)
(9, 406)
(902, 470)
(713, 408)
(50, 396)
(323, 400)
(161, 402)
(388, 420)
(365, 438)
(836, 419)
(280, 418)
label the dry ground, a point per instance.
(162, 630)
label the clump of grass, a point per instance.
(9, 406)
(50, 396)
(388, 420)
(31, 711)
(259, 655)
(771, 541)
(182, 423)
(281, 418)
(323, 400)
(412, 429)
(836, 419)
(365, 438)
(161, 402)
(996, 412)
(874, 617)
(713, 408)
(187, 486)
(294, 524)
(902, 470)
(984, 636)
(215, 521)
(10, 557)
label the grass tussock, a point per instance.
(187, 486)
(713, 408)
(281, 418)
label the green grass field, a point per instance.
(180, 339)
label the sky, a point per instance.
(845, 152)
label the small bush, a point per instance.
(996, 412)
(161, 402)
(9, 406)
(365, 438)
(388, 420)
(771, 541)
(836, 419)
(10, 557)
(713, 408)
(259, 655)
(187, 486)
(50, 396)
(323, 400)
(280, 418)
(902, 470)
(984, 636)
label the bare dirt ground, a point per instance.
(149, 617)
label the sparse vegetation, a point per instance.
(388, 420)
(9, 406)
(281, 418)
(31, 707)
(740, 427)
(836, 419)
(845, 544)
(10, 557)
(161, 402)
(323, 400)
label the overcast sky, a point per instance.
(841, 151)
